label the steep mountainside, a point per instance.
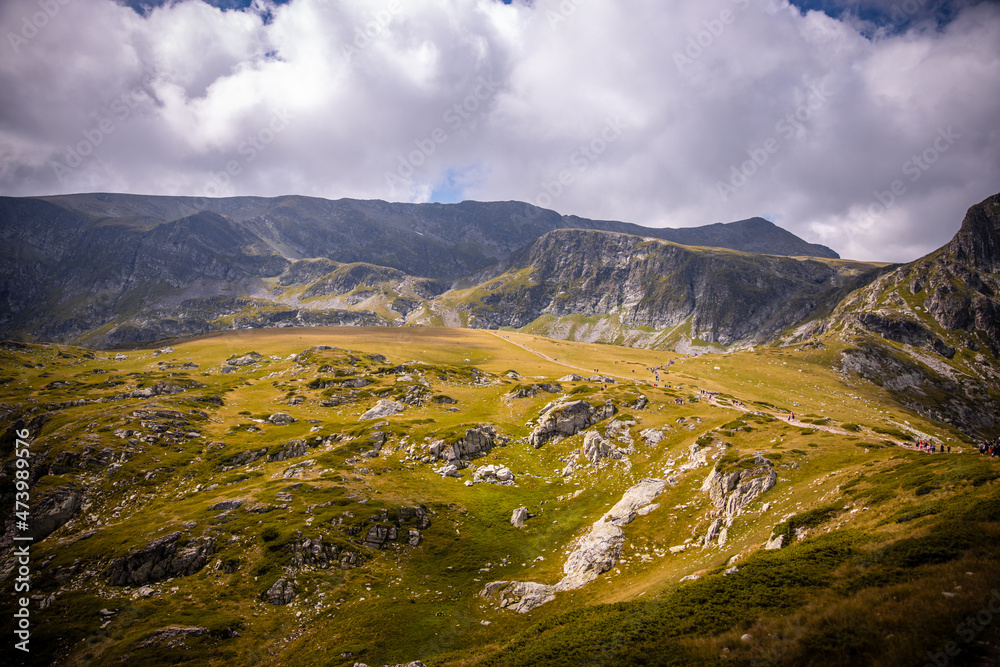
(108, 269)
(677, 294)
(929, 331)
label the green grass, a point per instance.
(423, 602)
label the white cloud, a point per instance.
(326, 99)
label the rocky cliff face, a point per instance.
(724, 297)
(928, 331)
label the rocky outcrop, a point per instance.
(161, 559)
(652, 436)
(292, 450)
(384, 408)
(775, 543)
(54, 509)
(227, 505)
(566, 419)
(519, 596)
(733, 489)
(281, 419)
(519, 516)
(943, 314)
(243, 458)
(977, 243)
(173, 636)
(595, 448)
(529, 391)
(906, 331)
(282, 592)
(248, 359)
(477, 442)
(595, 553)
(495, 474)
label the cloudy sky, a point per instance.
(869, 126)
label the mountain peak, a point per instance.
(756, 235)
(978, 241)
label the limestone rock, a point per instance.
(733, 491)
(378, 536)
(639, 404)
(652, 436)
(596, 448)
(298, 469)
(572, 377)
(246, 360)
(597, 552)
(384, 408)
(566, 419)
(281, 419)
(282, 592)
(519, 596)
(519, 517)
(476, 442)
(495, 474)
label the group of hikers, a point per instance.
(991, 448)
(932, 448)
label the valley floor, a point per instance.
(335, 496)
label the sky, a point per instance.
(867, 125)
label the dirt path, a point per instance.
(713, 400)
(589, 371)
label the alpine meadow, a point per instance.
(500, 333)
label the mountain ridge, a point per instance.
(86, 268)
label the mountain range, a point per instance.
(116, 270)
(108, 269)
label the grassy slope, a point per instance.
(422, 603)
